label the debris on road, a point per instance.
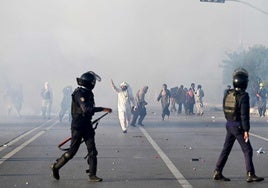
(260, 151)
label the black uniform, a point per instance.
(236, 110)
(237, 123)
(83, 108)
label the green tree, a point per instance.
(254, 60)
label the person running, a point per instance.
(164, 96)
(83, 108)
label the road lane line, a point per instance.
(23, 145)
(257, 136)
(9, 143)
(178, 175)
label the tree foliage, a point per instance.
(254, 60)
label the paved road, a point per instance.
(178, 152)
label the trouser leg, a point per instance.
(179, 108)
(43, 110)
(122, 119)
(264, 109)
(248, 153)
(61, 114)
(92, 157)
(134, 118)
(60, 162)
(142, 115)
(227, 147)
(92, 152)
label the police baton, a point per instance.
(68, 139)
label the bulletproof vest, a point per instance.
(76, 109)
(230, 105)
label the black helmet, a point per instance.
(88, 80)
(240, 78)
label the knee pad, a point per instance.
(93, 153)
(68, 155)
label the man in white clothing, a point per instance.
(199, 94)
(125, 100)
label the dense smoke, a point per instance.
(141, 42)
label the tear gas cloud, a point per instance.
(141, 42)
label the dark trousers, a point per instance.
(88, 135)
(235, 133)
(262, 107)
(191, 108)
(140, 112)
(165, 111)
(180, 107)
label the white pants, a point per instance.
(124, 118)
(199, 108)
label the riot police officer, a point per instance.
(236, 111)
(83, 108)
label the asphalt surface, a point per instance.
(178, 152)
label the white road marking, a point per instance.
(178, 175)
(22, 136)
(257, 136)
(23, 145)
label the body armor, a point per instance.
(230, 104)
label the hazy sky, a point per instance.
(142, 42)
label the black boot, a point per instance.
(218, 176)
(252, 177)
(92, 162)
(56, 166)
(94, 178)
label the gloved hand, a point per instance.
(109, 110)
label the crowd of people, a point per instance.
(80, 106)
(177, 100)
(235, 106)
(130, 108)
(184, 98)
(13, 100)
